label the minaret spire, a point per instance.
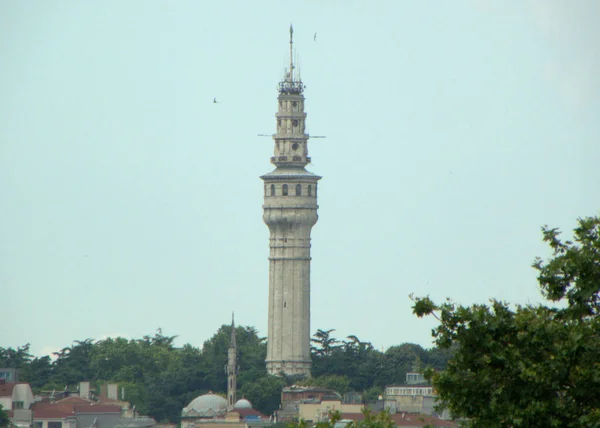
(233, 342)
(231, 368)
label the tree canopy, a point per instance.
(160, 378)
(532, 365)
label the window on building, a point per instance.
(54, 424)
(284, 190)
(298, 190)
(315, 190)
(309, 190)
(17, 404)
(38, 424)
(272, 190)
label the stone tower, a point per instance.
(231, 368)
(290, 212)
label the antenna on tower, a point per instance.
(291, 53)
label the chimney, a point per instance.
(84, 389)
(112, 391)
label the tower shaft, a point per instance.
(290, 212)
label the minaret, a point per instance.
(231, 368)
(290, 212)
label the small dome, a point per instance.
(242, 404)
(206, 406)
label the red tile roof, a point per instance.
(97, 408)
(74, 400)
(6, 389)
(69, 407)
(52, 410)
(244, 413)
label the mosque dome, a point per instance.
(206, 406)
(242, 404)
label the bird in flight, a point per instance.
(215, 100)
(315, 37)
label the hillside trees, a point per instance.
(534, 365)
(160, 378)
(364, 366)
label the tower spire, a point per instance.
(291, 53)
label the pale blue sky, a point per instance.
(131, 201)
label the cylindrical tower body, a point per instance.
(290, 212)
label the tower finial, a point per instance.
(291, 54)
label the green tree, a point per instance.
(37, 372)
(264, 393)
(437, 358)
(251, 355)
(338, 383)
(528, 366)
(370, 420)
(4, 419)
(401, 359)
(72, 363)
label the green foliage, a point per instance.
(372, 393)
(264, 393)
(366, 367)
(15, 358)
(370, 420)
(528, 366)
(378, 420)
(4, 419)
(338, 383)
(160, 379)
(73, 363)
(252, 352)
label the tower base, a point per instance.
(289, 368)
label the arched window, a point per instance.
(315, 190)
(272, 190)
(298, 190)
(310, 190)
(284, 190)
(265, 190)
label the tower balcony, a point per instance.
(290, 160)
(291, 87)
